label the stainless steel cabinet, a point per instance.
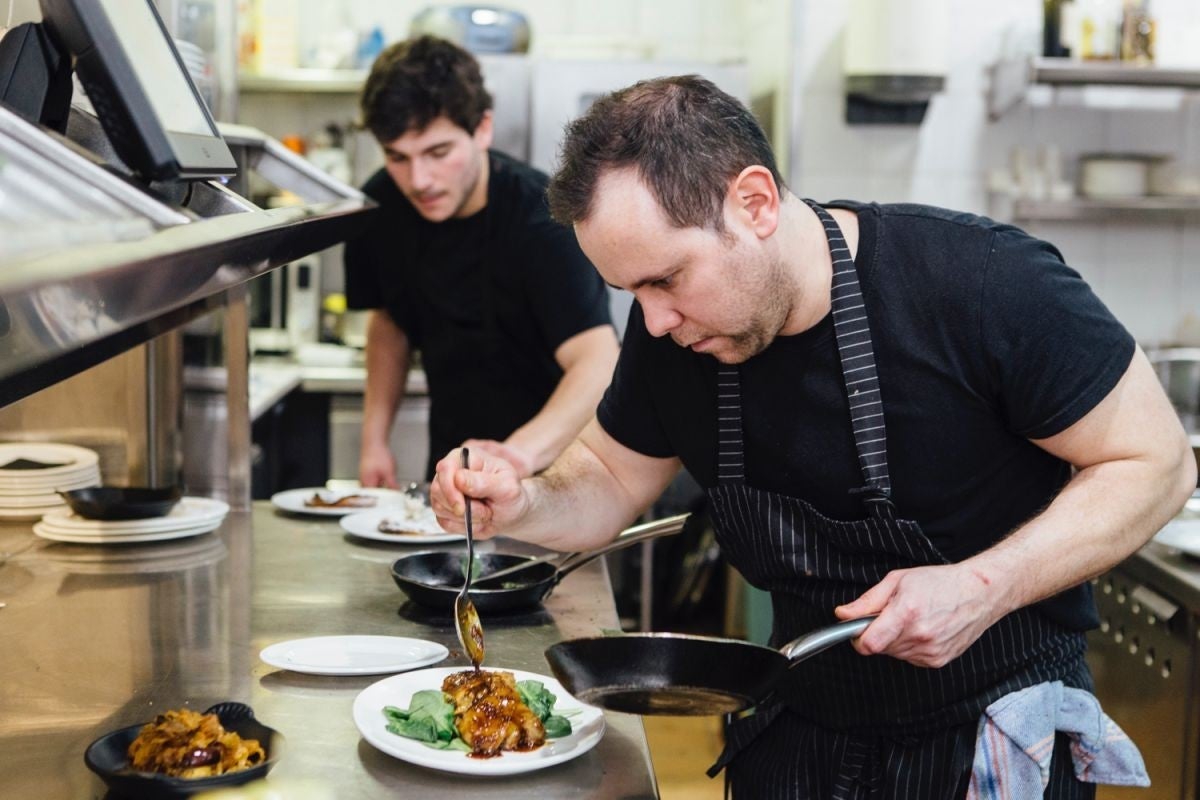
(1143, 660)
(410, 436)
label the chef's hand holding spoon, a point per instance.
(498, 499)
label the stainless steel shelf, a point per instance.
(67, 308)
(1142, 209)
(306, 80)
(1069, 72)
(1011, 78)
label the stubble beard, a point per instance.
(773, 295)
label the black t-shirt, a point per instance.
(486, 299)
(983, 338)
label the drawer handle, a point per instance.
(1155, 603)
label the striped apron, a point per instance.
(847, 726)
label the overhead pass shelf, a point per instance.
(1012, 78)
(1144, 209)
(332, 81)
(92, 264)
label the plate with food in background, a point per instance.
(410, 522)
(182, 752)
(324, 502)
(446, 719)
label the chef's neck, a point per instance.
(805, 249)
(477, 198)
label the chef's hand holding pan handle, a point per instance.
(927, 616)
(498, 497)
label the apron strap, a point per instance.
(857, 355)
(731, 458)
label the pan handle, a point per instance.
(637, 533)
(822, 639)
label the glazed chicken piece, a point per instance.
(489, 713)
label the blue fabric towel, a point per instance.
(1016, 741)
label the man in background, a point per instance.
(464, 264)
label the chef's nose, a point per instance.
(422, 174)
(661, 318)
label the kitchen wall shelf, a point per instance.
(1142, 209)
(1012, 78)
(326, 81)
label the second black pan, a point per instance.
(681, 675)
(432, 578)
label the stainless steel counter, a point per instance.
(93, 639)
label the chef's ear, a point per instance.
(754, 198)
(483, 131)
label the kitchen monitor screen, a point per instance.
(142, 93)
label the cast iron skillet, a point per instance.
(116, 502)
(107, 758)
(681, 675)
(432, 578)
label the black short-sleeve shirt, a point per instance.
(984, 339)
(486, 299)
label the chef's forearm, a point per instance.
(593, 490)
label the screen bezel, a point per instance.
(129, 118)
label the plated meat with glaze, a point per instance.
(489, 713)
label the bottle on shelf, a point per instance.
(1137, 32)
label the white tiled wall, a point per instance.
(1149, 274)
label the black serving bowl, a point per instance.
(117, 502)
(107, 757)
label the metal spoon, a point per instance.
(466, 618)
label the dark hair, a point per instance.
(686, 137)
(415, 81)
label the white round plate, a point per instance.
(587, 726)
(49, 485)
(189, 512)
(71, 458)
(365, 525)
(54, 534)
(31, 514)
(353, 655)
(1181, 534)
(293, 500)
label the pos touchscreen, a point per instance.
(145, 99)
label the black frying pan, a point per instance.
(432, 578)
(667, 673)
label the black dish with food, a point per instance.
(107, 757)
(122, 502)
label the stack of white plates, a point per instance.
(191, 517)
(32, 472)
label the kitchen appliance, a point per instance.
(480, 29)
(895, 59)
(285, 307)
